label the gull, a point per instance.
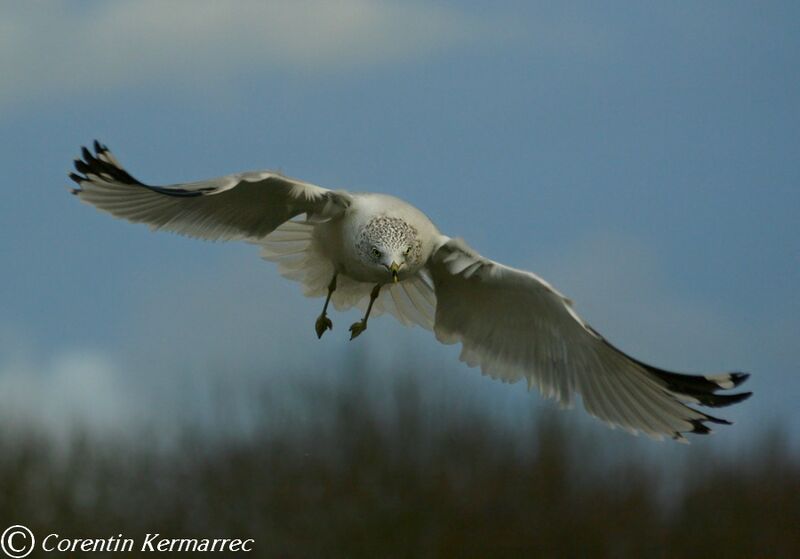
(381, 254)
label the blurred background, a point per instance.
(642, 158)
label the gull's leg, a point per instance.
(361, 325)
(323, 322)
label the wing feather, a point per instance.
(240, 206)
(514, 326)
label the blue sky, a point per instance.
(643, 158)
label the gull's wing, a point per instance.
(515, 326)
(240, 206)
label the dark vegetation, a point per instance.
(356, 477)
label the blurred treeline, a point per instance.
(357, 476)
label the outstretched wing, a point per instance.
(515, 326)
(240, 206)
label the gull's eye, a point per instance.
(376, 253)
(408, 249)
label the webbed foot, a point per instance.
(357, 328)
(323, 323)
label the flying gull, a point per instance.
(380, 253)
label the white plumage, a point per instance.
(382, 254)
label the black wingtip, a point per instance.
(87, 155)
(700, 428)
(77, 179)
(722, 400)
(103, 164)
(82, 167)
(717, 420)
(739, 378)
(697, 389)
(703, 389)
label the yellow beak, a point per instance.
(394, 268)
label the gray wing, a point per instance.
(240, 206)
(515, 326)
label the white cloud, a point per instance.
(77, 388)
(56, 48)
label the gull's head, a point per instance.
(390, 244)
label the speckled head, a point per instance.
(392, 243)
